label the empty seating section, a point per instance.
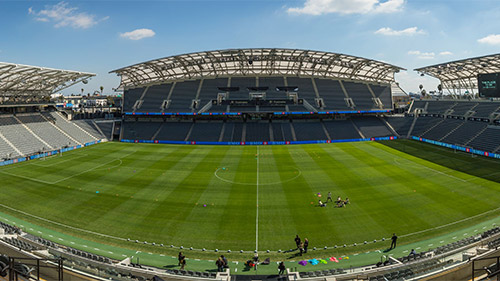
(272, 108)
(131, 96)
(443, 129)
(439, 107)
(228, 132)
(360, 95)
(341, 129)
(154, 97)
(419, 104)
(287, 131)
(257, 131)
(106, 128)
(206, 131)
(481, 109)
(465, 133)
(184, 92)
(6, 150)
(237, 134)
(33, 133)
(400, 124)
(272, 83)
(46, 131)
(18, 135)
(461, 108)
(182, 96)
(71, 128)
(90, 128)
(175, 131)
(309, 130)
(488, 140)
(243, 83)
(278, 131)
(306, 88)
(485, 109)
(210, 89)
(383, 93)
(423, 124)
(332, 94)
(372, 127)
(140, 130)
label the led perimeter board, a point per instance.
(489, 84)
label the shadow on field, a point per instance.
(480, 166)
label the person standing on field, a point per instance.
(329, 197)
(394, 239)
(297, 241)
(282, 268)
(180, 257)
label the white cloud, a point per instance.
(407, 32)
(138, 34)
(319, 7)
(492, 39)
(61, 14)
(446, 53)
(423, 55)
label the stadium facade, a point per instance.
(256, 96)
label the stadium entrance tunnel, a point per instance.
(261, 177)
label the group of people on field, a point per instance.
(339, 202)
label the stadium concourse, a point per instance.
(265, 96)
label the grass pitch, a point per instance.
(252, 197)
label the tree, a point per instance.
(102, 89)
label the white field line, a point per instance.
(260, 184)
(257, 215)
(63, 225)
(58, 162)
(72, 176)
(452, 223)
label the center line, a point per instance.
(257, 215)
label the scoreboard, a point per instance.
(489, 85)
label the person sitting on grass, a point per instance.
(339, 199)
(321, 204)
(340, 204)
(346, 201)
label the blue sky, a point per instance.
(99, 36)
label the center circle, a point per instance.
(227, 174)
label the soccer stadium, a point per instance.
(251, 164)
(235, 152)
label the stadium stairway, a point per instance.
(52, 122)
(34, 135)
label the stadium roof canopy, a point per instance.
(18, 79)
(256, 62)
(462, 74)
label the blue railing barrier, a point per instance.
(255, 142)
(457, 147)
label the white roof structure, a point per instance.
(256, 62)
(18, 79)
(462, 74)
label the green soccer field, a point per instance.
(252, 197)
